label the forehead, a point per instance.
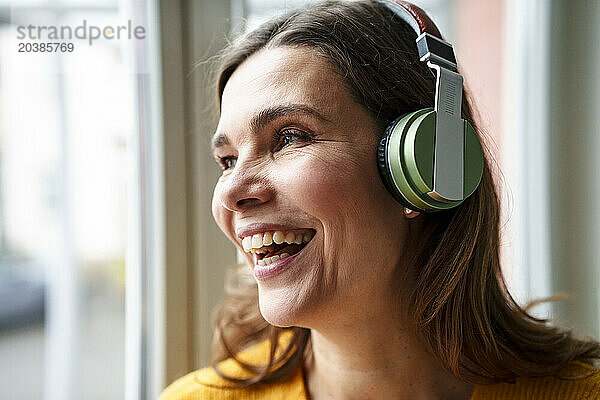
(279, 76)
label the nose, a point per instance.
(244, 187)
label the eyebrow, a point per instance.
(268, 115)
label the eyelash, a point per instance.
(223, 162)
(277, 138)
(298, 134)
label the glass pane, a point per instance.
(66, 121)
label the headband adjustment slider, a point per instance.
(436, 50)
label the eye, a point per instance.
(288, 136)
(227, 162)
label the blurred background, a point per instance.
(110, 262)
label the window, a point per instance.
(68, 182)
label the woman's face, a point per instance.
(299, 156)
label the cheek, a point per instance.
(317, 188)
(329, 187)
(221, 215)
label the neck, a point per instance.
(373, 358)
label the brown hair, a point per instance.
(462, 309)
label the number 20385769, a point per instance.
(46, 47)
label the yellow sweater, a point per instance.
(205, 384)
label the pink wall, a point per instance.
(479, 30)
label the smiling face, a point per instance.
(299, 156)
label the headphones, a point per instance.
(431, 159)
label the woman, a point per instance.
(360, 296)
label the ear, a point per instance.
(408, 213)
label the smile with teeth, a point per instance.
(270, 247)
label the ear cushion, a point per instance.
(405, 159)
(393, 171)
(384, 169)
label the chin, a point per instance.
(282, 308)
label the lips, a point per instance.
(272, 247)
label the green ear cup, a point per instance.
(409, 160)
(473, 161)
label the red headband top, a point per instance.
(414, 16)
(430, 45)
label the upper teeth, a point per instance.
(255, 242)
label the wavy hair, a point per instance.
(462, 309)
